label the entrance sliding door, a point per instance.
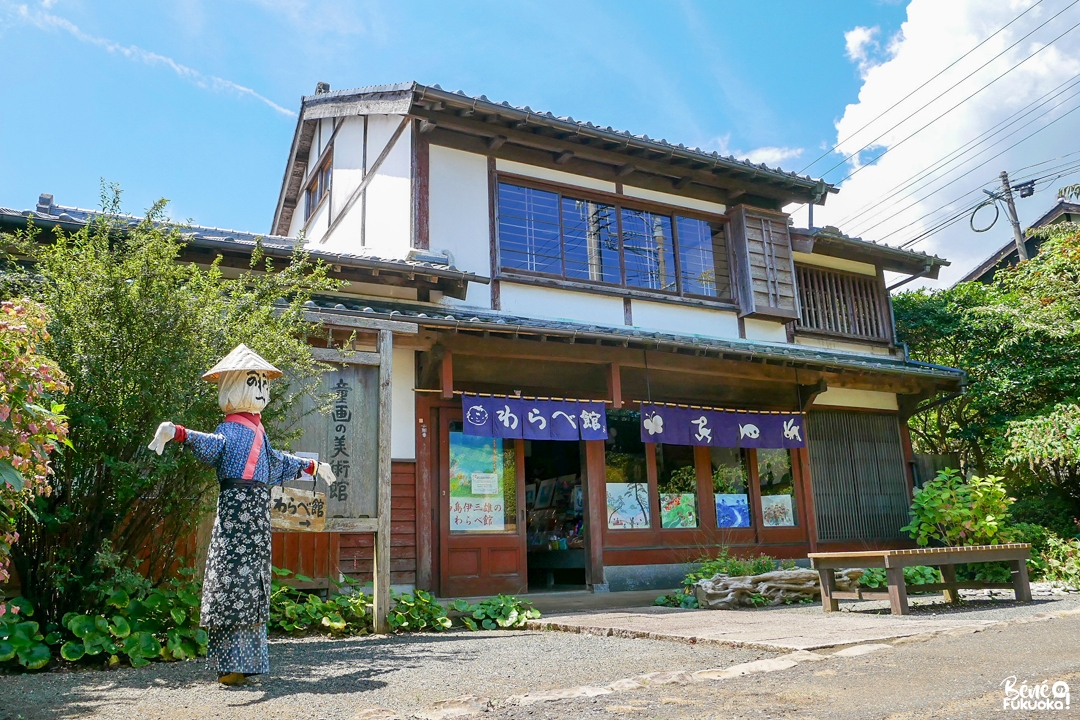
(482, 528)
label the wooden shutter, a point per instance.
(764, 269)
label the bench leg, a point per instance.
(948, 575)
(828, 587)
(1020, 580)
(897, 590)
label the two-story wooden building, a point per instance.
(664, 282)
(627, 358)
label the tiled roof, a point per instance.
(835, 235)
(434, 91)
(469, 318)
(225, 239)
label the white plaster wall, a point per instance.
(842, 346)
(389, 194)
(846, 397)
(316, 226)
(558, 176)
(403, 405)
(458, 215)
(828, 261)
(677, 200)
(666, 317)
(530, 301)
(765, 330)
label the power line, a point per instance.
(955, 155)
(924, 84)
(901, 142)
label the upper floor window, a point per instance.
(580, 238)
(317, 188)
(842, 304)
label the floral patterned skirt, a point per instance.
(238, 648)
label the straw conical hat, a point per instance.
(241, 358)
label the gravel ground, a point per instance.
(952, 677)
(319, 678)
(327, 679)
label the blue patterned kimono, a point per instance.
(236, 586)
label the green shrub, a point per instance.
(727, 564)
(139, 623)
(1044, 505)
(1062, 559)
(501, 611)
(914, 575)
(295, 612)
(953, 512)
(416, 612)
(685, 600)
(21, 641)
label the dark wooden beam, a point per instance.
(427, 126)
(683, 182)
(564, 157)
(625, 170)
(446, 374)
(807, 393)
(496, 142)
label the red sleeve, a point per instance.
(312, 467)
(181, 434)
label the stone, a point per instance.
(750, 668)
(726, 592)
(800, 656)
(625, 684)
(456, 707)
(672, 677)
(621, 709)
(560, 694)
(857, 650)
(377, 713)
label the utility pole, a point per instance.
(1018, 235)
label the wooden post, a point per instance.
(446, 375)
(614, 380)
(381, 569)
(897, 590)
(948, 575)
(1020, 580)
(595, 506)
(828, 587)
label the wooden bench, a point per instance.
(944, 559)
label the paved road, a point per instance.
(955, 677)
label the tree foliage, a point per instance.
(953, 511)
(31, 426)
(1018, 339)
(133, 328)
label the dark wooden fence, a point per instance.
(842, 304)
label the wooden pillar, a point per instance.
(614, 382)
(897, 590)
(446, 375)
(806, 484)
(381, 569)
(595, 507)
(828, 587)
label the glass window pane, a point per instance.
(649, 250)
(483, 484)
(627, 475)
(729, 479)
(591, 238)
(677, 483)
(529, 229)
(778, 507)
(703, 258)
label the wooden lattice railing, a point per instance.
(842, 304)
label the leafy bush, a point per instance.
(684, 600)
(415, 612)
(727, 564)
(1062, 560)
(953, 512)
(21, 641)
(295, 612)
(1040, 504)
(132, 327)
(31, 426)
(914, 575)
(501, 611)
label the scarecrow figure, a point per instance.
(236, 587)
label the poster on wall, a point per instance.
(732, 510)
(477, 493)
(776, 510)
(627, 506)
(678, 510)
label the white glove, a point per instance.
(165, 432)
(324, 473)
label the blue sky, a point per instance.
(151, 95)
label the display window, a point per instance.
(676, 475)
(730, 483)
(627, 479)
(483, 485)
(777, 488)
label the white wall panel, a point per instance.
(553, 175)
(530, 301)
(403, 405)
(458, 214)
(667, 317)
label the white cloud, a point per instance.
(934, 35)
(771, 156)
(50, 22)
